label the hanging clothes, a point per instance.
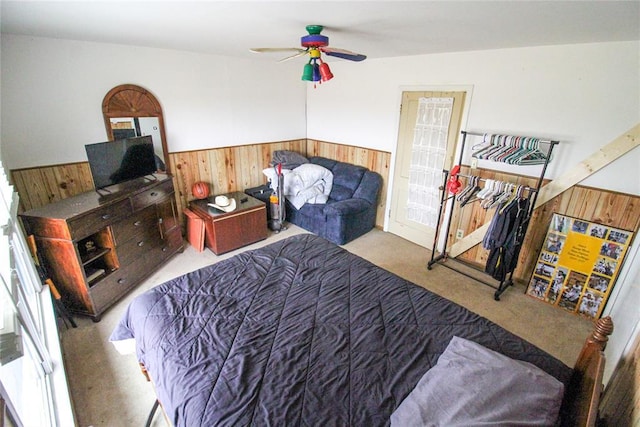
(505, 236)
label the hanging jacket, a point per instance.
(506, 238)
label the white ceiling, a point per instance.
(378, 29)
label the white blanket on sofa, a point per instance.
(308, 183)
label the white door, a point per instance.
(429, 129)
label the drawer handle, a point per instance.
(140, 244)
(137, 223)
(153, 194)
(164, 249)
(106, 216)
(121, 281)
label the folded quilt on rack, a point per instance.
(308, 183)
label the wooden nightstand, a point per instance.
(224, 231)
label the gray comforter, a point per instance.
(300, 332)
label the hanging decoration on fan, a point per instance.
(315, 44)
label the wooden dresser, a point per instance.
(97, 248)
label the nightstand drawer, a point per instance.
(153, 195)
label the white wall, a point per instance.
(55, 90)
(583, 95)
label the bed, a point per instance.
(302, 332)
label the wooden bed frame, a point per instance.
(582, 396)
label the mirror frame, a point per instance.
(130, 100)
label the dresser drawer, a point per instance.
(138, 259)
(137, 223)
(141, 246)
(112, 287)
(96, 220)
(153, 195)
(171, 243)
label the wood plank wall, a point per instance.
(591, 204)
(225, 169)
(42, 185)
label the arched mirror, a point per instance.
(130, 111)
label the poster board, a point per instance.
(578, 265)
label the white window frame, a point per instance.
(32, 378)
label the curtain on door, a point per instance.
(427, 159)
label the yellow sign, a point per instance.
(581, 252)
(578, 264)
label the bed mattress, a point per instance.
(299, 332)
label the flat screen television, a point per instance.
(122, 160)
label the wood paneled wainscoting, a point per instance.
(39, 186)
(225, 169)
(594, 205)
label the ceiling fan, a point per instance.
(314, 44)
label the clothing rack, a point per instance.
(450, 199)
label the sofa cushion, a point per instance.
(324, 162)
(347, 176)
(340, 193)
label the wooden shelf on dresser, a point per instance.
(96, 248)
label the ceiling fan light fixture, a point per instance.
(316, 72)
(325, 72)
(307, 72)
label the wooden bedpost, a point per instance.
(601, 332)
(582, 396)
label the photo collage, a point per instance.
(578, 265)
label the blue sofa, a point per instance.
(351, 209)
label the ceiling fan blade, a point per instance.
(343, 53)
(300, 52)
(276, 49)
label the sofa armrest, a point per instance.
(347, 207)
